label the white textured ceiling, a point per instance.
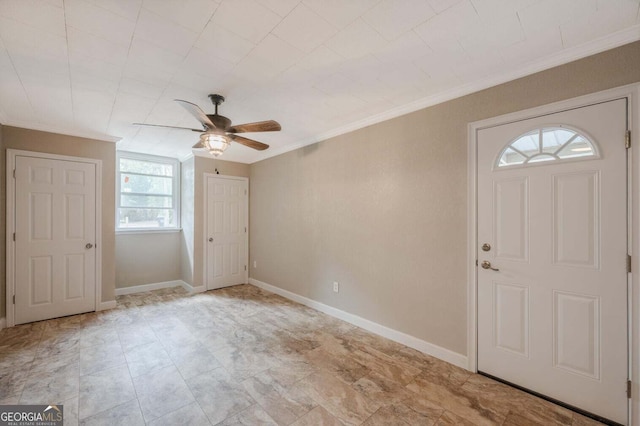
(319, 67)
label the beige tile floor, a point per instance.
(242, 356)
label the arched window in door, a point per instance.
(547, 144)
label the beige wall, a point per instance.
(207, 165)
(33, 140)
(382, 210)
(146, 258)
(187, 170)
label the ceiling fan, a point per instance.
(217, 133)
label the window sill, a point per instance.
(147, 231)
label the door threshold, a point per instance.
(553, 400)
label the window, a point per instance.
(547, 144)
(147, 192)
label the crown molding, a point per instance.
(63, 131)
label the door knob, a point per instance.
(487, 265)
(486, 247)
(89, 245)
(210, 239)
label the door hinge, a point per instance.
(14, 173)
(14, 236)
(627, 139)
(629, 389)
(476, 262)
(245, 267)
(245, 192)
(628, 263)
(245, 229)
(14, 299)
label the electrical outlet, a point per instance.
(255, 263)
(336, 286)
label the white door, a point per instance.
(225, 231)
(55, 224)
(552, 313)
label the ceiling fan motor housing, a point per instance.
(221, 122)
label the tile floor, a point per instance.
(242, 356)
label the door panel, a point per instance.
(226, 232)
(55, 212)
(552, 313)
(511, 221)
(576, 219)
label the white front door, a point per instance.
(552, 227)
(55, 224)
(225, 231)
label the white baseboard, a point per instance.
(192, 290)
(148, 287)
(3, 323)
(111, 304)
(156, 286)
(397, 336)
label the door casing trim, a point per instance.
(632, 93)
(10, 224)
(206, 176)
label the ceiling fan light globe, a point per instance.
(216, 144)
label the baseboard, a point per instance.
(111, 304)
(3, 323)
(191, 289)
(395, 335)
(148, 287)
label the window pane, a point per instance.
(145, 167)
(511, 157)
(165, 201)
(553, 139)
(528, 144)
(146, 218)
(146, 184)
(579, 147)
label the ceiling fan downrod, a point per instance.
(216, 100)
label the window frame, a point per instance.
(175, 163)
(577, 133)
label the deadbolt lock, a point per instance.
(486, 247)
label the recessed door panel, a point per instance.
(576, 219)
(41, 175)
(511, 318)
(576, 324)
(512, 218)
(74, 275)
(74, 177)
(74, 213)
(40, 280)
(41, 216)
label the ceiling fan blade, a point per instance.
(168, 127)
(258, 126)
(250, 142)
(197, 113)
